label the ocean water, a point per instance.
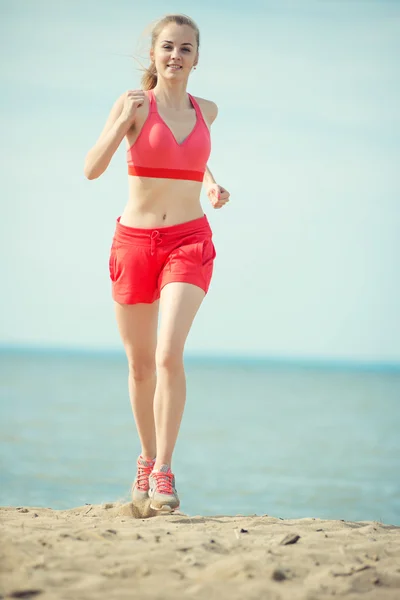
(256, 437)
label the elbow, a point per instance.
(93, 169)
(90, 172)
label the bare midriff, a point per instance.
(157, 202)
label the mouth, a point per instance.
(174, 67)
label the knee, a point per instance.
(168, 360)
(141, 368)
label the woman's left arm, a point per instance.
(217, 194)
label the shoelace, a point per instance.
(142, 478)
(163, 482)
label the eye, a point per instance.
(187, 49)
(167, 47)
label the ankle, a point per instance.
(148, 456)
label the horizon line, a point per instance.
(222, 357)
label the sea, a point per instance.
(262, 437)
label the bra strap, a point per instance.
(153, 103)
(196, 107)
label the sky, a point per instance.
(306, 141)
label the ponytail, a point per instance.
(149, 78)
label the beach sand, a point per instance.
(103, 552)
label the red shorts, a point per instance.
(142, 261)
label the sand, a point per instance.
(103, 552)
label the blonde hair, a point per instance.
(149, 78)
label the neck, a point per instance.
(172, 96)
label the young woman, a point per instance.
(162, 252)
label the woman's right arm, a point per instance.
(120, 120)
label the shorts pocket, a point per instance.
(112, 263)
(208, 251)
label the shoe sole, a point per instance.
(164, 508)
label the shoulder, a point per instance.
(208, 108)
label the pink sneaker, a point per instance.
(162, 493)
(140, 487)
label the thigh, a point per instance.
(179, 303)
(190, 262)
(134, 273)
(137, 324)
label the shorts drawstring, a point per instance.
(139, 236)
(155, 240)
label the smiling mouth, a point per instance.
(174, 67)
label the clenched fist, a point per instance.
(132, 101)
(218, 195)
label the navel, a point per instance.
(164, 217)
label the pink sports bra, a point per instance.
(156, 153)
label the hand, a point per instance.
(218, 195)
(132, 101)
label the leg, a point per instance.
(179, 305)
(137, 325)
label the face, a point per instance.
(175, 51)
